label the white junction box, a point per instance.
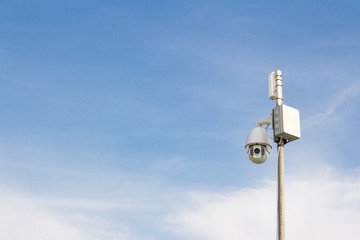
(286, 122)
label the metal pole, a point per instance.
(280, 167)
(280, 197)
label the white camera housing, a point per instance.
(258, 145)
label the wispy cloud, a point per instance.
(345, 95)
(24, 217)
(340, 41)
(322, 207)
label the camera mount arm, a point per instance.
(265, 121)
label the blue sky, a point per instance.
(127, 119)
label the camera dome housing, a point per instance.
(258, 145)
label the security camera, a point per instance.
(258, 145)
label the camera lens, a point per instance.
(256, 150)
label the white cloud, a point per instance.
(24, 217)
(25, 221)
(318, 207)
(345, 95)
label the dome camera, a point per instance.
(258, 145)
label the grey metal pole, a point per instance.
(280, 167)
(280, 197)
